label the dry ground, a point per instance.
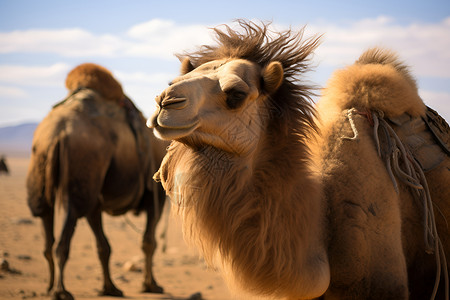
(179, 270)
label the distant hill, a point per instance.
(16, 140)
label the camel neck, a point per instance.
(259, 218)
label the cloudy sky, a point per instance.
(40, 41)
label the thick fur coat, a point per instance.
(310, 209)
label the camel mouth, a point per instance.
(163, 130)
(174, 103)
(173, 133)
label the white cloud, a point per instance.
(155, 38)
(143, 87)
(12, 92)
(164, 38)
(437, 100)
(50, 76)
(148, 30)
(144, 78)
(422, 46)
(71, 42)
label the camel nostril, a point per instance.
(174, 103)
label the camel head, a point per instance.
(221, 103)
(229, 94)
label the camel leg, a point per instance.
(104, 252)
(149, 244)
(62, 254)
(47, 222)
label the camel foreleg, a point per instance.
(149, 242)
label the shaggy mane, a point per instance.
(291, 106)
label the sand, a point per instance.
(179, 270)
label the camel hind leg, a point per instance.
(104, 252)
(62, 254)
(47, 223)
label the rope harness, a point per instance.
(399, 161)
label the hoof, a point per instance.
(152, 288)
(62, 295)
(112, 291)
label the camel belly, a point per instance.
(124, 181)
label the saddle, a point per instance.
(414, 146)
(133, 115)
(427, 138)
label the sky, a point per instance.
(41, 41)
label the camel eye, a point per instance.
(235, 98)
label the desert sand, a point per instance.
(179, 270)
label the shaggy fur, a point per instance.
(92, 76)
(389, 222)
(248, 227)
(302, 205)
(91, 154)
(377, 81)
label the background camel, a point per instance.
(3, 166)
(93, 153)
(297, 203)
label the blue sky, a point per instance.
(40, 41)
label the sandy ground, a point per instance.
(179, 270)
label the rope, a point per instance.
(411, 174)
(132, 225)
(352, 125)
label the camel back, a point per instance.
(94, 77)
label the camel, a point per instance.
(94, 153)
(292, 200)
(3, 166)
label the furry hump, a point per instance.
(94, 77)
(377, 81)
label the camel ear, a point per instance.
(186, 66)
(273, 75)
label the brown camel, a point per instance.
(293, 202)
(93, 153)
(3, 166)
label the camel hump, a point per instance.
(94, 77)
(378, 81)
